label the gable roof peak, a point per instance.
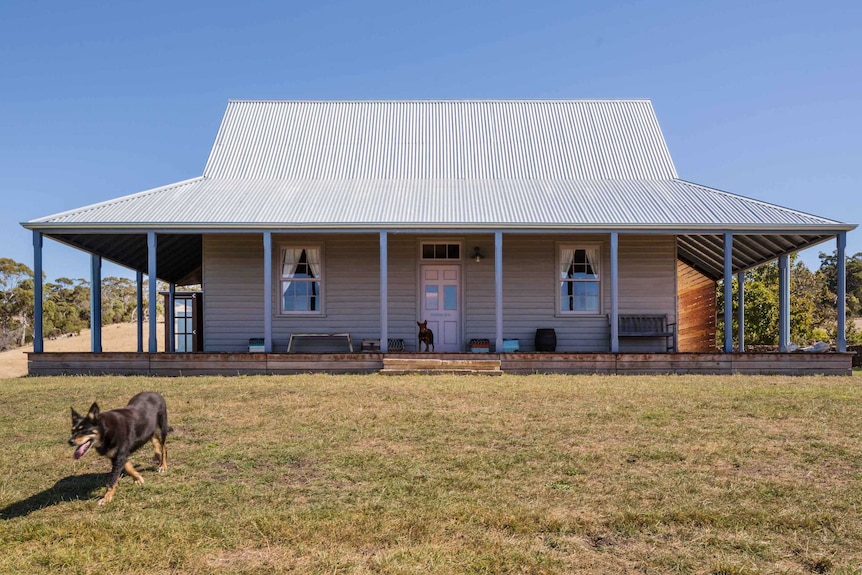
(440, 139)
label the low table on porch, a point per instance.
(297, 336)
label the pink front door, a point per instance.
(440, 304)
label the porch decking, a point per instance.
(182, 364)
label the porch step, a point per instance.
(403, 366)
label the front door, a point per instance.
(440, 304)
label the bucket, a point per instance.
(546, 340)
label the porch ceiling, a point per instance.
(705, 252)
(179, 256)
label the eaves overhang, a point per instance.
(179, 246)
(215, 227)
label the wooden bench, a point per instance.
(295, 337)
(647, 325)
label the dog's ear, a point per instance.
(76, 417)
(93, 414)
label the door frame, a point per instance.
(455, 263)
(196, 298)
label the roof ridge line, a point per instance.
(432, 100)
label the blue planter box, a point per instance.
(510, 345)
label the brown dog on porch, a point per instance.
(426, 336)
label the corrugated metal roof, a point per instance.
(439, 140)
(541, 163)
(459, 164)
(670, 204)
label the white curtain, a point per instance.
(567, 259)
(592, 256)
(289, 263)
(581, 263)
(292, 258)
(312, 256)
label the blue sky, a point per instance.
(100, 100)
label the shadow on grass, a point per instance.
(72, 488)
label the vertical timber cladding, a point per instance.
(697, 308)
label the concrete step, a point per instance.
(401, 366)
(385, 371)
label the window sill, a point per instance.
(299, 314)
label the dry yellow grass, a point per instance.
(607, 475)
(117, 337)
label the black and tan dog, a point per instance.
(120, 432)
(426, 336)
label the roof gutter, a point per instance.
(185, 227)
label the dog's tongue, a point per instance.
(82, 449)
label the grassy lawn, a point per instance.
(374, 474)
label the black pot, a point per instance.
(546, 340)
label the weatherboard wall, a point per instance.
(233, 289)
(233, 284)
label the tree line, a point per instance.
(813, 303)
(65, 307)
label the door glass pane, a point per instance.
(431, 298)
(441, 251)
(184, 343)
(450, 297)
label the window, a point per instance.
(432, 251)
(301, 280)
(580, 281)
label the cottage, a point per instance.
(490, 219)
